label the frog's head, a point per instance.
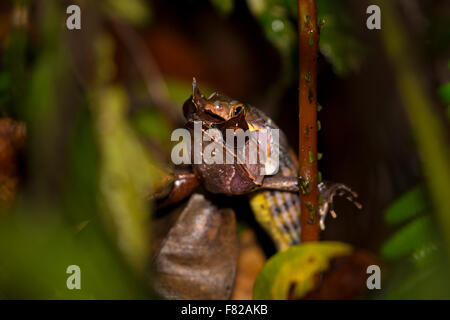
(218, 108)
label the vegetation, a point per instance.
(86, 117)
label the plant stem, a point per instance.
(308, 50)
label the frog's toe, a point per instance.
(328, 190)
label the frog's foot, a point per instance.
(328, 191)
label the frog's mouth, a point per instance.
(214, 116)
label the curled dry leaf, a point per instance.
(12, 137)
(197, 256)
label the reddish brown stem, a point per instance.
(308, 49)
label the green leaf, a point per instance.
(407, 206)
(296, 266)
(408, 238)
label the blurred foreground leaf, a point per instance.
(444, 93)
(411, 236)
(37, 249)
(407, 206)
(127, 174)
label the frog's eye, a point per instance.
(218, 106)
(237, 110)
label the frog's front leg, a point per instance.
(182, 185)
(328, 190)
(281, 183)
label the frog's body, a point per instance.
(274, 199)
(278, 212)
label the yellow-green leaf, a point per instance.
(296, 267)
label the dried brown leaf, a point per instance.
(197, 258)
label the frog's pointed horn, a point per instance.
(195, 89)
(197, 98)
(193, 104)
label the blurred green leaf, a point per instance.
(425, 255)
(223, 6)
(127, 175)
(407, 206)
(81, 196)
(425, 283)
(4, 80)
(152, 124)
(296, 266)
(38, 248)
(14, 63)
(444, 93)
(135, 12)
(275, 19)
(337, 41)
(408, 238)
(429, 132)
(178, 89)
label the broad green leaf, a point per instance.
(296, 267)
(408, 238)
(407, 206)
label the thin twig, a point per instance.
(308, 50)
